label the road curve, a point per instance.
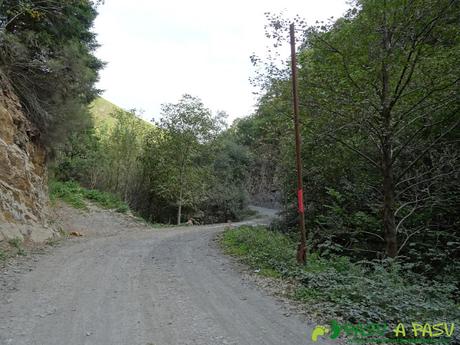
(143, 287)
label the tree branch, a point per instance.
(362, 154)
(427, 149)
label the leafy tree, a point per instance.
(385, 80)
(123, 146)
(382, 83)
(46, 52)
(187, 127)
(79, 158)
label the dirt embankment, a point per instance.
(23, 174)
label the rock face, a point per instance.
(23, 175)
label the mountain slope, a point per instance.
(103, 112)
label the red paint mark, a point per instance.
(300, 200)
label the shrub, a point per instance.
(335, 287)
(75, 195)
(69, 191)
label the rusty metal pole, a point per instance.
(302, 247)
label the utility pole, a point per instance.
(302, 247)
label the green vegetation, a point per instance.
(16, 243)
(101, 111)
(261, 248)
(70, 192)
(182, 168)
(105, 115)
(334, 287)
(46, 54)
(379, 116)
(75, 195)
(379, 95)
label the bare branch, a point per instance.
(407, 239)
(403, 219)
(410, 203)
(424, 181)
(362, 154)
(428, 149)
(423, 99)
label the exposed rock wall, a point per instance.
(23, 174)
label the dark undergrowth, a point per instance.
(336, 288)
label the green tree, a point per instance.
(123, 147)
(188, 125)
(46, 52)
(382, 82)
(384, 79)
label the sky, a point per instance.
(156, 51)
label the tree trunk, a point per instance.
(181, 186)
(389, 225)
(179, 211)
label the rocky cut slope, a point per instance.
(23, 175)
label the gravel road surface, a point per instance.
(129, 284)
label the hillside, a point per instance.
(103, 112)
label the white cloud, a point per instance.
(158, 50)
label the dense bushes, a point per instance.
(334, 287)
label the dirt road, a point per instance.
(130, 284)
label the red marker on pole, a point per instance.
(300, 200)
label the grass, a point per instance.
(15, 246)
(11, 248)
(261, 249)
(75, 195)
(16, 243)
(3, 255)
(336, 288)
